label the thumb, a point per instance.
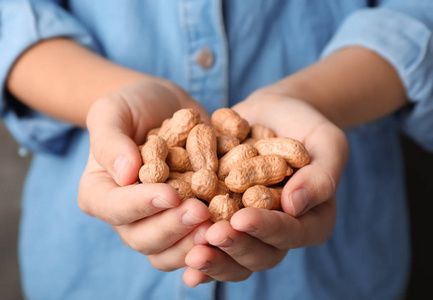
(119, 157)
(316, 183)
(111, 144)
(308, 187)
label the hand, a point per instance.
(257, 239)
(148, 217)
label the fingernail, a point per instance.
(120, 165)
(227, 242)
(299, 200)
(190, 220)
(199, 239)
(247, 228)
(204, 267)
(161, 203)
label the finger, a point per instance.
(245, 249)
(193, 278)
(283, 231)
(161, 231)
(216, 264)
(99, 196)
(316, 183)
(109, 124)
(307, 188)
(173, 258)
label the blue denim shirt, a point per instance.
(65, 254)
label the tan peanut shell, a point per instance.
(225, 143)
(264, 170)
(155, 148)
(222, 189)
(201, 146)
(250, 141)
(182, 187)
(184, 153)
(153, 155)
(258, 196)
(276, 195)
(175, 132)
(153, 131)
(154, 171)
(178, 160)
(186, 176)
(233, 157)
(293, 151)
(222, 207)
(259, 131)
(228, 122)
(204, 184)
(237, 197)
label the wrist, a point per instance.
(352, 86)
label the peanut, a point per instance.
(253, 163)
(153, 131)
(237, 197)
(259, 131)
(182, 187)
(264, 170)
(201, 146)
(178, 160)
(250, 141)
(153, 154)
(222, 189)
(154, 171)
(236, 155)
(175, 132)
(154, 148)
(291, 150)
(222, 207)
(276, 195)
(225, 143)
(228, 122)
(186, 176)
(204, 184)
(258, 196)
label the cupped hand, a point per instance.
(148, 217)
(258, 239)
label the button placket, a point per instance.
(206, 52)
(205, 58)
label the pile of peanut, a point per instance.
(229, 165)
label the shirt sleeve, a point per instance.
(23, 24)
(402, 34)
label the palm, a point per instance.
(268, 235)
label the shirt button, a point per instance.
(205, 58)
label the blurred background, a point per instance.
(419, 165)
(12, 172)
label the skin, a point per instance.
(119, 106)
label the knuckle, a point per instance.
(163, 264)
(114, 220)
(329, 185)
(296, 240)
(111, 213)
(139, 245)
(99, 148)
(239, 252)
(83, 199)
(272, 261)
(241, 276)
